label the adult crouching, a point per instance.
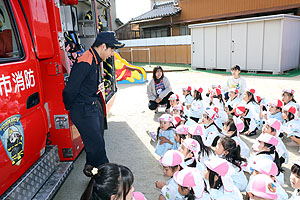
(159, 89)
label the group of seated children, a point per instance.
(202, 152)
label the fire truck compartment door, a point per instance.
(39, 22)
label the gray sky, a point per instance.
(127, 9)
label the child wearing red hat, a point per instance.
(187, 92)
(233, 100)
(196, 110)
(288, 98)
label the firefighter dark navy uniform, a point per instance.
(86, 105)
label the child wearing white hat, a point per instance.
(233, 100)
(292, 125)
(269, 168)
(171, 162)
(187, 92)
(295, 180)
(218, 173)
(191, 184)
(213, 127)
(273, 127)
(288, 98)
(232, 128)
(274, 111)
(265, 148)
(249, 119)
(195, 111)
(165, 135)
(262, 187)
(228, 149)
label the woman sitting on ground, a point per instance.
(159, 89)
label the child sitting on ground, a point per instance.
(232, 101)
(236, 82)
(181, 132)
(187, 92)
(191, 185)
(249, 119)
(165, 135)
(171, 162)
(274, 111)
(228, 149)
(196, 109)
(190, 149)
(295, 180)
(262, 188)
(288, 98)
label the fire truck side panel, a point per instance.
(23, 125)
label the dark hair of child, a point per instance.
(107, 183)
(157, 135)
(194, 163)
(234, 152)
(230, 123)
(235, 67)
(211, 179)
(191, 195)
(198, 95)
(182, 136)
(290, 116)
(273, 151)
(220, 100)
(252, 97)
(155, 69)
(295, 170)
(204, 150)
(219, 129)
(290, 95)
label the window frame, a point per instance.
(16, 33)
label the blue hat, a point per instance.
(108, 38)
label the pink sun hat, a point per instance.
(191, 178)
(263, 186)
(178, 107)
(138, 196)
(239, 124)
(192, 145)
(172, 158)
(174, 97)
(166, 118)
(289, 91)
(224, 169)
(264, 166)
(182, 129)
(196, 129)
(274, 123)
(269, 139)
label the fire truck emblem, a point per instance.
(12, 138)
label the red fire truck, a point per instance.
(39, 41)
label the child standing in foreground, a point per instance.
(295, 180)
(165, 135)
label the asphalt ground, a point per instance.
(128, 144)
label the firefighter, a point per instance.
(15, 146)
(86, 104)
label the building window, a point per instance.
(184, 30)
(156, 32)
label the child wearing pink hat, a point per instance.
(195, 111)
(295, 180)
(190, 149)
(291, 127)
(265, 148)
(262, 187)
(232, 128)
(273, 127)
(181, 133)
(269, 168)
(228, 149)
(171, 162)
(191, 185)
(213, 127)
(218, 173)
(165, 135)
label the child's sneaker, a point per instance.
(152, 135)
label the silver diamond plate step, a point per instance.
(38, 176)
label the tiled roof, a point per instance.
(161, 10)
